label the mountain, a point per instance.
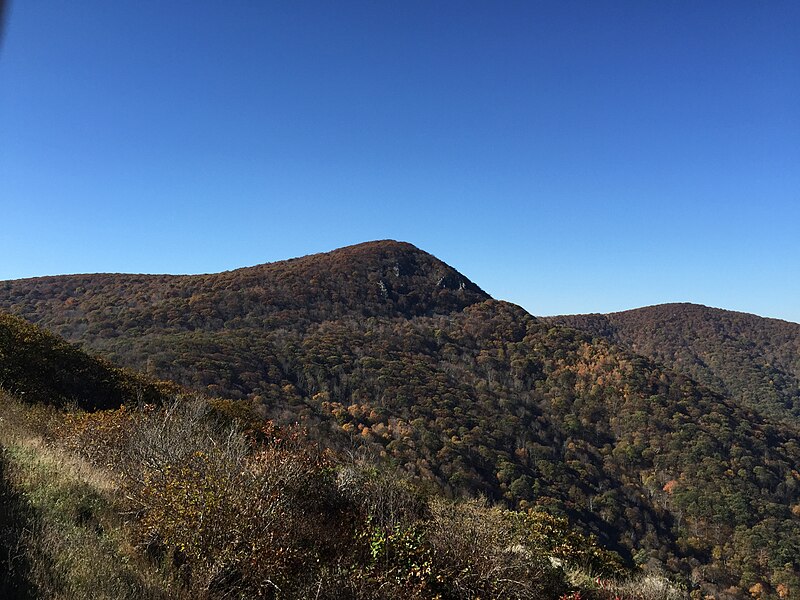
(385, 347)
(152, 322)
(375, 279)
(754, 360)
(175, 498)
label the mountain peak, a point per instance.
(387, 245)
(383, 278)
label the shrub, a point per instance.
(234, 518)
(478, 552)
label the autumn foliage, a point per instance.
(272, 515)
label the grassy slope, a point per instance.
(69, 539)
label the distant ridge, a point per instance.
(755, 360)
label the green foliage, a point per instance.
(553, 536)
(399, 556)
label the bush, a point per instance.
(253, 521)
(480, 552)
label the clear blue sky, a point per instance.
(566, 156)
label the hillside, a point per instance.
(207, 331)
(383, 347)
(38, 366)
(178, 500)
(754, 360)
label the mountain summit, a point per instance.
(383, 278)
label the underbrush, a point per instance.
(176, 502)
(634, 587)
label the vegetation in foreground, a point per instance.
(178, 502)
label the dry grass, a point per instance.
(484, 556)
(646, 586)
(73, 541)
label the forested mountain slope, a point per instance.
(174, 496)
(375, 279)
(754, 360)
(388, 345)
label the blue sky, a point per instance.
(567, 156)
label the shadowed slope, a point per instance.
(38, 366)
